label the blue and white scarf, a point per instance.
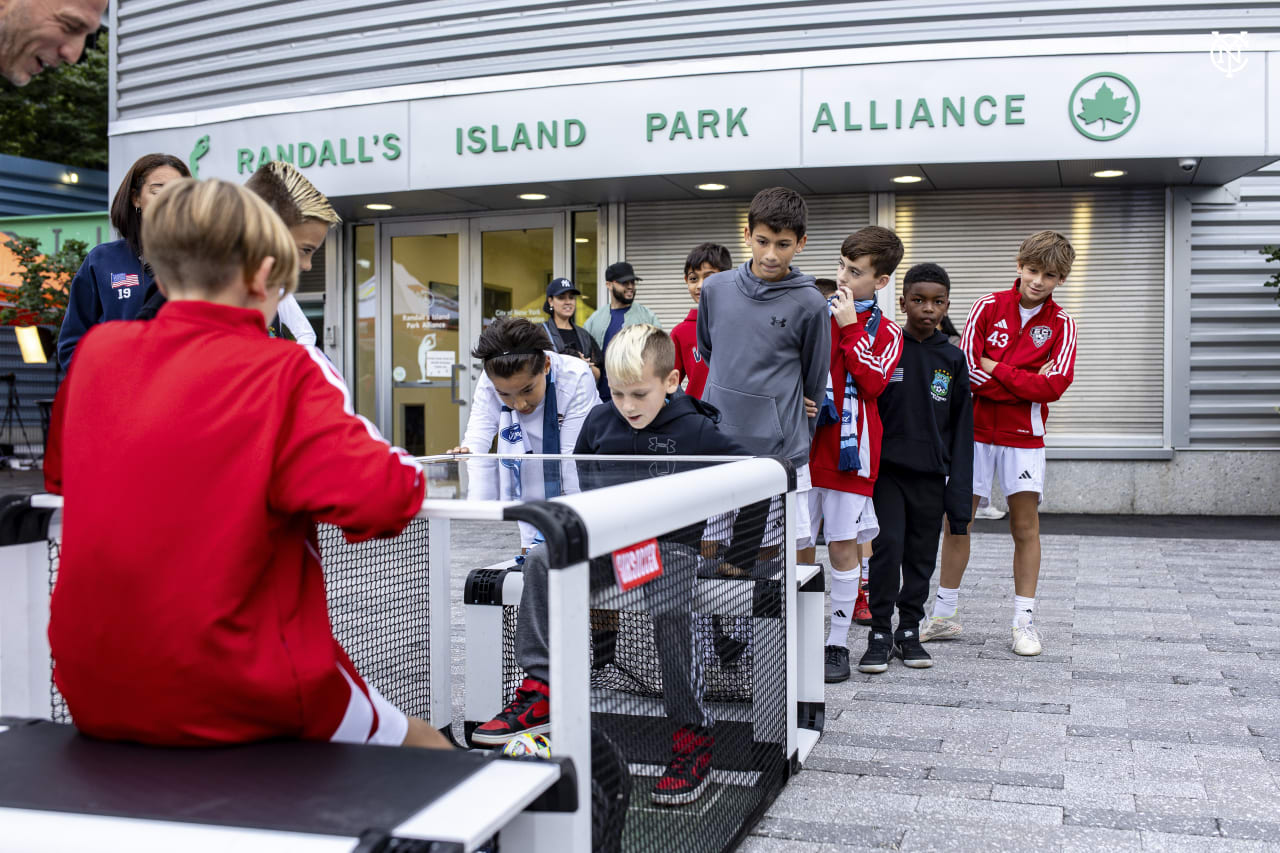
(847, 417)
(511, 441)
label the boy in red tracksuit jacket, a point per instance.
(211, 626)
(704, 261)
(845, 454)
(1020, 350)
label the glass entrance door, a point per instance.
(428, 312)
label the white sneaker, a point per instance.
(940, 628)
(1026, 640)
(990, 512)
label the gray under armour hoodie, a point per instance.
(768, 344)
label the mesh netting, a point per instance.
(378, 605)
(57, 705)
(689, 671)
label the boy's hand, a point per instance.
(810, 408)
(842, 307)
(1048, 366)
(988, 365)
(460, 450)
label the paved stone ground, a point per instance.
(1151, 721)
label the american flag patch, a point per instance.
(124, 279)
(897, 375)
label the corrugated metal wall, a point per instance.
(1235, 322)
(1115, 292)
(178, 55)
(659, 236)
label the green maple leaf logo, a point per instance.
(1104, 106)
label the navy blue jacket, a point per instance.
(96, 298)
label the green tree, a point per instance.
(61, 115)
(41, 297)
(1273, 254)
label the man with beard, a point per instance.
(40, 34)
(623, 311)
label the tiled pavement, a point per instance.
(1151, 721)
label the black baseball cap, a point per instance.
(621, 272)
(559, 286)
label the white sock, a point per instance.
(844, 594)
(946, 602)
(866, 569)
(1023, 610)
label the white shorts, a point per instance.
(369, 718)
(848, 517)
(1021, 469)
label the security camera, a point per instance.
(1188, 164)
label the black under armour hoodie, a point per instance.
(927, 415)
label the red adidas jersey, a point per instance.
(871, 364)
(1010, 404)
(195, 455)
(688, 360)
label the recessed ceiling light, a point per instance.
(1110, 173)
(712, 188)
(908, 179)
(533, 196)
(377, 206)
(581, 240)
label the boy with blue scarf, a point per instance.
(845, 456)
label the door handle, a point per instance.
(453, 384)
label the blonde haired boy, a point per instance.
(211, 627)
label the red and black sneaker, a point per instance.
(690, 770)
(529, 712)
(861, 607)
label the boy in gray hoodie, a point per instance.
(763, 329)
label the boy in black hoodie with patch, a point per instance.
(926, 470)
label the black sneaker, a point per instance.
(604, 647)
(878, 654)
(729, 649)
(689, 772)
(529, 712)
(910, 650)
(837, 664)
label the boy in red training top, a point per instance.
(212, 627)
(845, 454)
(704, 261)
(1020, 350)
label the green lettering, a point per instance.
(306, 155)
(284, 154)
(733, 121)
(522, 138)
(848, 118)
(392, 141)
(498, 147)
(949, 110)
(478, 145)
(570, 125)
(876, 125)
(244, 161)
(655, 122)
(681, 126)
(1011, 109)
(898, 110)
(977, 110)
(327, 154)
(264, 156)
(823, 119)
(552, 134)
(459, 137)
(342, 152)
(708, 120)
(922, 113)
(360, 152)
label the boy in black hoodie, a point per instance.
(926, 469)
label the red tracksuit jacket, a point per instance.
(688, 360)
(1010, 405)
(871, 364)
(195, 455)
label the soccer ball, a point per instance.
(522, 745)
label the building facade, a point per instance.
(476, 150)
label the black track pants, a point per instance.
(909, 507)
